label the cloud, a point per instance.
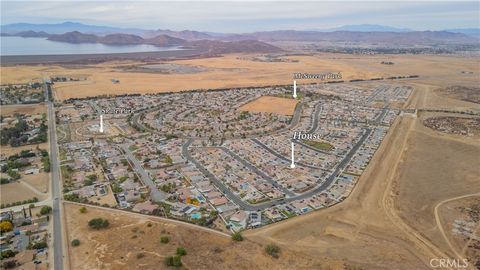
(244, 16)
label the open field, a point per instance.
(223, 72)
(23, 109)
(39, 181)
(450, 165)
(319, 145)
(269, 104)
(119, 246)
(15, 192)
(458, 219)
(7, 150)
(470, 94)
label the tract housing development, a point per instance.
(222, 158)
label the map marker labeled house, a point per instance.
(101, 123)
(293, 156)
(294, 89)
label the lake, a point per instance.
(42, 46)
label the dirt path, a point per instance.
(441, 229)
(32, 188)
(388, 204)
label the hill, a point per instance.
(74, 37)
(165, 41)
(206, 46)
(242, 46)
(120, 39)
(418, 37)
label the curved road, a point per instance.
(256, 207)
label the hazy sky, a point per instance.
(246, 16)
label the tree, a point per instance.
(45, 210)
(273, 250)
(83, 210)
(40, 245)
(181, 251)
(98, 223)
(6, 226)
(75, 243)
(237, 236)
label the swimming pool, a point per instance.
(196, 215)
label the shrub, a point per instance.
(9, 264)
(83, 210)
(98, 223)
(237, 236)
(7, 254)
(181, 251)
(173, 261)
(75, 243)
(45, 210)
(273, 250)
(140, 255)
(6, 226)
(164, 239)
(39, 245)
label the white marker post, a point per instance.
(294, 89)
(101, 123)
(293, 157)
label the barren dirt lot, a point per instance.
(39, 181)
(7, 150)
(23, 109)
(224, 72)
(284, 106)
(459, 220)
(16, 192)
(119, 246)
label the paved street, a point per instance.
(259, 172)
(280, 156)
(56, 185)
(256, 207)
(155, 194)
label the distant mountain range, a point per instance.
(60, 28)
(80, 33)
(206, 46)
(365, 28)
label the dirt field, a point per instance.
(15, 192)
(129, 235)
(224, 72)
(8, 150)
(39, 181)
(458, 219)
(284, 106)
(23, 109)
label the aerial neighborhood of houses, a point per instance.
(216, 158)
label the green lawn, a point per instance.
(324, 146)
